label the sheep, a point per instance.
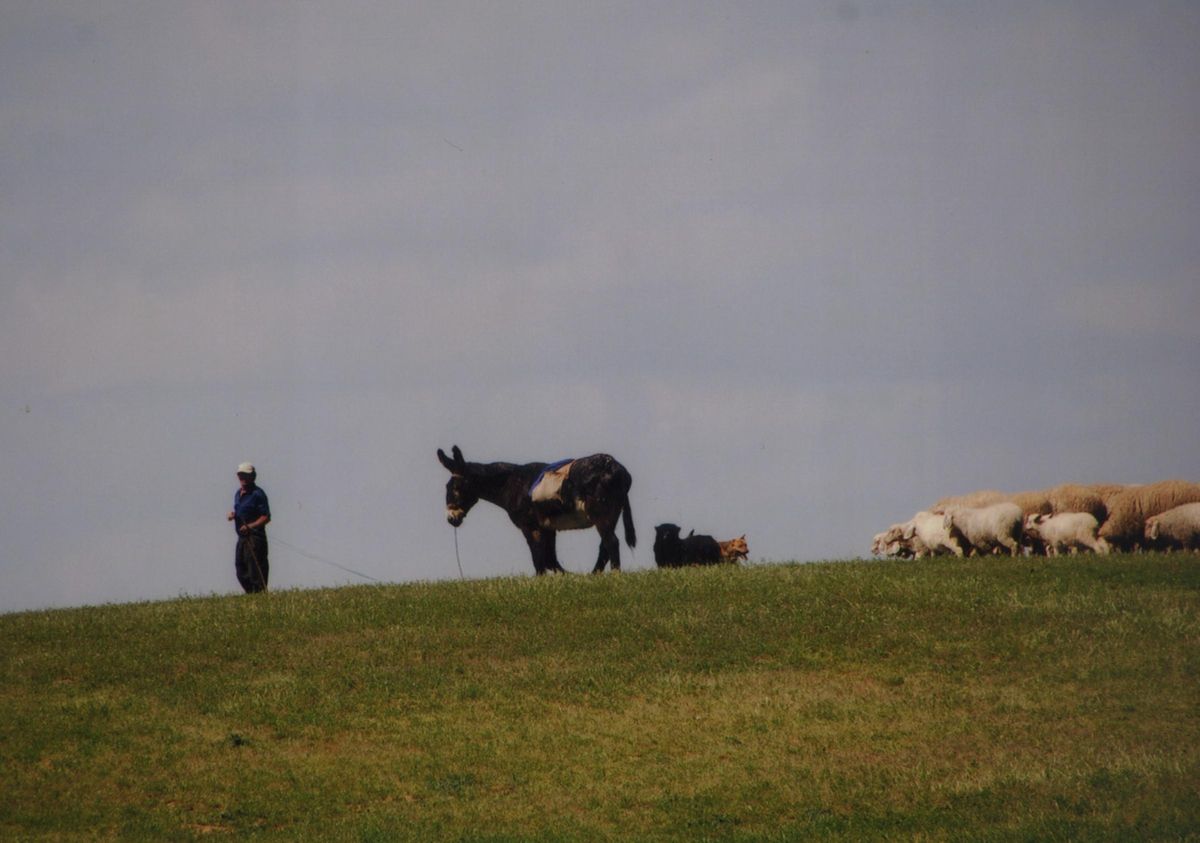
(1077, 497)
(879, 544)
(930, 536)
(1178, 527)
(1107, 490)
(988, 528)
(1069, 531)
(885, 544)
(922, 535)
(1125, 526)
(1032, 503)
(891, 542)
(984, 497)
(1066, 497)
(898, 542)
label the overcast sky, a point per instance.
(803, 267)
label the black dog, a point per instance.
(670, 551)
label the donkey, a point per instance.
(594, 492)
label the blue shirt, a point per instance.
(250, 507)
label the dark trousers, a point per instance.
(250, 562)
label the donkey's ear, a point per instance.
(446, 461)
(458, 457)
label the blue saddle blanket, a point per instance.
(552, 467)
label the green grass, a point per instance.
(969, 699)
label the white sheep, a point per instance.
(1066, 531)
(1176, 528)
(922, 535)
(1129, 509)
(987, 529)
(891, 543)
(928, 536)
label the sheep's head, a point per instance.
(1152, 529)
(892, 548)
(893, 533)
(1033, 522)
(878, 543)
(889, 542)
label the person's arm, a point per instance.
(260, 521)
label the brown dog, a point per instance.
(734, 549)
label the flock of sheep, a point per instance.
(1070, 518)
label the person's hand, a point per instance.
(229, 517)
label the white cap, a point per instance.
(246, 468)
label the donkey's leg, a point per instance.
(550, 547)
(602, 559)
(610, 550)
(533, 538)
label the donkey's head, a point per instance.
(461, 494)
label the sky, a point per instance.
(802, 267)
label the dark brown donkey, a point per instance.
(542, 499)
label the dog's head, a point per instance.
(735, 549)
(666, 534)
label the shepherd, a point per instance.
(542, 499)
(251, 513)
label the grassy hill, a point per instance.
(992, 699)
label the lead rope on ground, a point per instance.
(320, 559)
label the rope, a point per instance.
(257, 566)
(321, 559)
(456, 556)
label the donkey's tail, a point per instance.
(627, 518)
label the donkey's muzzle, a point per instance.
(455, 516)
